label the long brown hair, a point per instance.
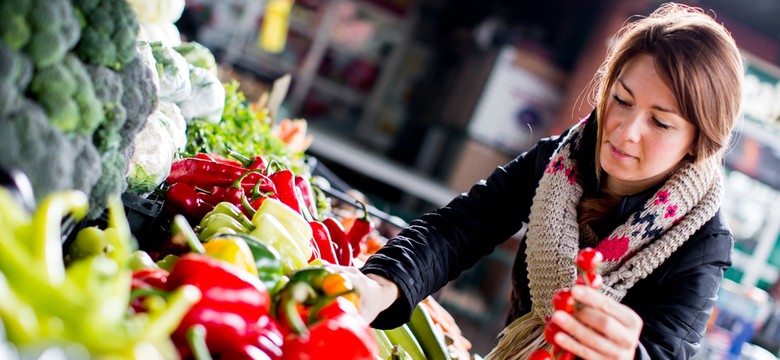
(701, 64)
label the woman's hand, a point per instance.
(599, 328)
(376, 293)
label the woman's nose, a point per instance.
(631, 128)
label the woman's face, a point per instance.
(645, 136)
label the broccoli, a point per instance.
(46, 47)
(90, 108)
(108, 90)
(30, 144)
(9, 93)
(87, 167)
(112, 181)
(14, 31)
(55, 31)
(108, 38)
(139, 98)
(65, 91)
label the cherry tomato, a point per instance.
(549, 332)
(589, 259)
(540, 355)
(560, 354)
(590, 279)
(562, 300)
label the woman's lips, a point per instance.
(618, 153)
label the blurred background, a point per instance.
(412, 101)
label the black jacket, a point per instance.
(675, 301)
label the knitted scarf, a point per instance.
(688, 199)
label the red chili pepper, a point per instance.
(284, 180)
(315, 250)
(339, 240)
(234, 310)
(358, 233)
(205, 173)
(217, 158)
(187, 199)
(253, 163)
(321, 236)
(306, 194)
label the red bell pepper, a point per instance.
(321, 319)
(358, 233)
(145, 282)
(339, 240)
(186, 198)
(234, 310)
(321, 236)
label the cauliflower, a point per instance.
(158, 11)
(151, 161)
(207, 99)
(174, 123)
(198, 55)
(173, 71)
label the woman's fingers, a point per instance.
(592, 298)
(581, 340)
(600, 327)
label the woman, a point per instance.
(639, 180)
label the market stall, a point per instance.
(148, 210)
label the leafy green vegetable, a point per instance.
(242, 129)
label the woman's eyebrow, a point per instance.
(657, 107)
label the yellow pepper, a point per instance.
(232, 249)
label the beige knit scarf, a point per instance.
(688, 199)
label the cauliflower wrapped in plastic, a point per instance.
(151, 161)
(173, 71)
(198, 55)
(173, 121)
(207, 98)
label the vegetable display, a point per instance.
(238, 267)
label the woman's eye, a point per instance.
(620, 101)
(660, 124)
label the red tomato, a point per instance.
(590, 279)
(562, 300)
(549, 332)
(540, 355)
(589, 259)
(560, 354)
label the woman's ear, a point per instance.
(692, 151)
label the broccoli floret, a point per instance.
(108, 90)
(14, 31)
(55, 80)
(24, 72)
(96, 48)
(90, 109)
(13, 71)
(108, 38)
(43, 15)
(65, 91)
(30, 144)
(46, 47)
(112, 181)
(87, 166)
